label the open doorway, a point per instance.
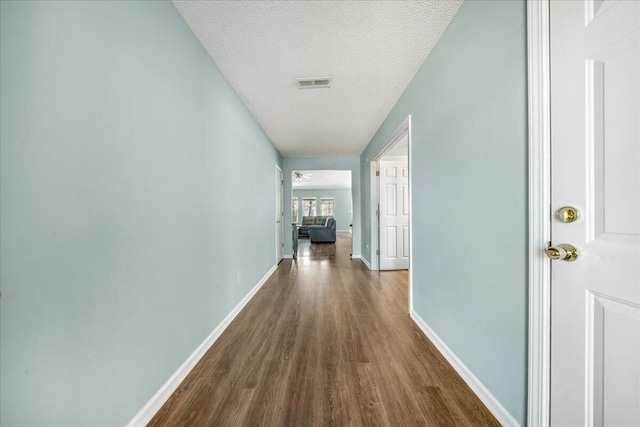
(390, 210)
(393, 207)
(322, 209)
(279, 214)
(391, 202)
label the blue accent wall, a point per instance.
(135, 184)
(342, 204)
(469, 193)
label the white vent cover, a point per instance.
(313, 82)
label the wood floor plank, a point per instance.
(325, 342)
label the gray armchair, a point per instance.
(324, 234)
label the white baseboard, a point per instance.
(363, 259)
(145, 415)
(502, 415)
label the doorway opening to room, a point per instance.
(322, 212)
(279, 214)
(391, 204)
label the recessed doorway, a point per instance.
(390, 208)
(322, 208)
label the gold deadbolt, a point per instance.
(563, 252)
(567, 214)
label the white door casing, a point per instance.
(595, 152)
(279, 214)
(539, 189)
(394, 215)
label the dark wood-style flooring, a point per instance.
(324, 342)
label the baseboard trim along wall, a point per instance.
(145, 415)
(490, 401)
(363, 259)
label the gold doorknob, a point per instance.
(563, 252)
(567, 214)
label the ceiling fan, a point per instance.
(301, 177)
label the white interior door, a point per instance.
(279, 215)
(595, 154)
(394, 215)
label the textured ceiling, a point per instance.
(371, 50)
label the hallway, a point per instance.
(324, 342)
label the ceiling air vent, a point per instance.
(313, 82)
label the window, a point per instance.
(326, 206)
(294, 209)
(308, 207)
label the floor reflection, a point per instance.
(307, 251)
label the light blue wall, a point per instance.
(123, 215)
(469, 193)
(342, 204)
(323, 163)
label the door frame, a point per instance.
(539, 152)
(281, 184)
(405, 127)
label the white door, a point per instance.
(595, 155)
(279, 215)
(394, 215)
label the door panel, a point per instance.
(405, 198)
(391, 249)
(595, 152)
(616, 137)
(405, 242)
(391, 204)
(615, 354)
(394, 215)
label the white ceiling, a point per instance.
(323, 180)
(370, 49)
